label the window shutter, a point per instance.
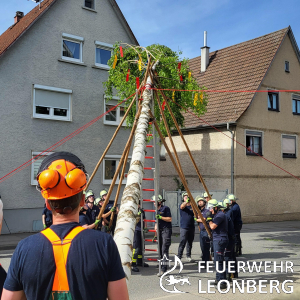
(288, 145)
(51, 99)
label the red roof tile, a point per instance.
(240, 67)
(15, 31)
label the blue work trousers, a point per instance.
(186, 238)
(230, 256)
(204, 245)
(219, 251)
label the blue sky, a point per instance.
(180, 24)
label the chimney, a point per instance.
(204, 54)
(19, 16)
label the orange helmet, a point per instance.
(61, 175)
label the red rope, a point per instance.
(59, 143)
(234, 139)
(227, 91)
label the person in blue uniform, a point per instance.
(46, 217)
(204, 238)
(164, 219)
(83, 219)
(137, 254)
(187, 227)
(229, 251)
(93, 210)
(34, 271)
(218, 223)
(236, 217)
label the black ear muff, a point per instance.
(48, 179)
(75, 179)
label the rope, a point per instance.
(233, 139)
(59, 143)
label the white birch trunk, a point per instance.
(132, 193)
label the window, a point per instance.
(273, 102)
(36, 164)
(72, 47)
(110, 165)
(287, 66)
(89, 4)
(296, 104)
(115, 115)
(288, 143)
(253, 142)
(103, 54)
(51, 103)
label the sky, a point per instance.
(179, 24)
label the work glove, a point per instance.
(146, 230)
(209, 216)
(158, 217)
(154, 238)
(187, 200)
(45, 226)
(195, 219)
(113, 209)
(96, 222)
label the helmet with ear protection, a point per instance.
(61, 175)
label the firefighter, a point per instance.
(83, 220)
(91, 212)
(236, 217)
(204, 238)
(54, 264)
(230, 251)
(137, 254)
(187, 227)
(218, 223)
(164, 219)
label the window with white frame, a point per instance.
(89, 4)
(110, 166)
(288, 144)
(253, 142)
(72, 47)
(51, 103)
(103, 54)
(36, 165)
(114, 114)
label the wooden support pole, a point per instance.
(173, 147)
(109, 144)
(180, 175)
(186, 145)
(119, 186)
(128, 144)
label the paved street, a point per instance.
(261, 242)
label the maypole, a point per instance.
(126, 222)
(128, 66)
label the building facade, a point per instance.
(261, 164)
(53, 62)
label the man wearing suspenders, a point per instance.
(65, 261)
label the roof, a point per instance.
(240, 67)
(14, 32)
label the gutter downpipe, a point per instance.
(232, 159)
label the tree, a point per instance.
(160, 67)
